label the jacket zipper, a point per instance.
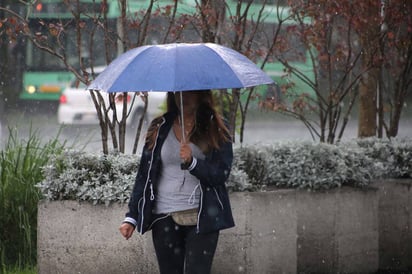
(148, 178)
(218, 198)
(200, 210)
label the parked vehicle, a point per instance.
(76, 105)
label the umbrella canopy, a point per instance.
(179, 67)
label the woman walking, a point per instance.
(180, 192)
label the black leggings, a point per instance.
(179, 249)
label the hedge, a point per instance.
(99, 178)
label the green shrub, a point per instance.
(100, 178)
(325, 166)
(89, 177)
(110, 178)
(394, 157)
(315, 166)
(251, 160)
(20, 169)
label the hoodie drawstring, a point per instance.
(152, 197)
(192, 199)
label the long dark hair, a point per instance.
(209, 131)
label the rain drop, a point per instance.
(176, 251)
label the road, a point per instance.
(258, 130)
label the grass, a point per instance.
(17, 270)
(20, 170)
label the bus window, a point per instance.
(37, 59)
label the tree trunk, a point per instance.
(368, 87)
(368, 104)
(403, 85)
(213, 17)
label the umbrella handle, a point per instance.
(182, 120)
(183, 165)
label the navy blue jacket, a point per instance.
(215, 212)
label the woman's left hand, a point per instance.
(186, 153)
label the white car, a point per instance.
(76, 105)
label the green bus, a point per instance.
(45, 76)
(288, 86)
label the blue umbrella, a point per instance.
(179, 67)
